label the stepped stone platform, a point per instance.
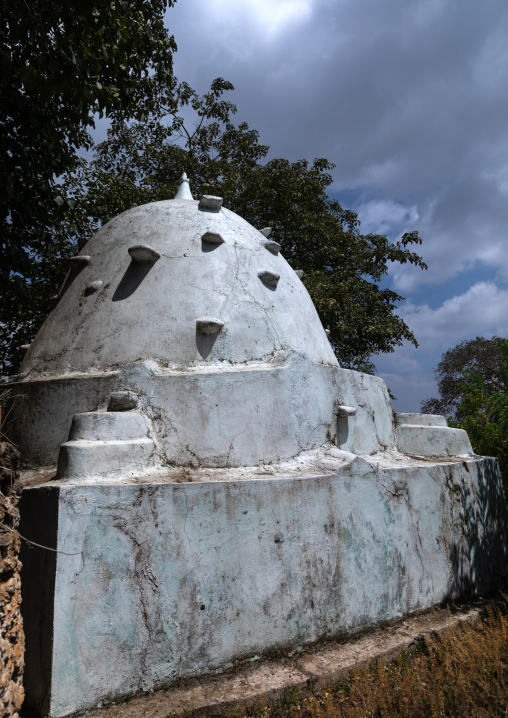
(169, 576)
(211, 485)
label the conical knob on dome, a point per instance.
(184, 191)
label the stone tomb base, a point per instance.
(169, 578)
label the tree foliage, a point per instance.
(479, 355)
(473, 386)
(483, 411)
(141, 161)
(26, 302)
(61, 62)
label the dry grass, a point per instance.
(464, 673)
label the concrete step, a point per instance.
(83, 459)
(109, 425)
(418, 440)
(420, 419)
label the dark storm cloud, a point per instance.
(409, 100)
(406, 98)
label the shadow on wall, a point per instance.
(205, 343)
(39, 523)
(72, 274)
(479, 557)
(134, 275)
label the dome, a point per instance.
(182, 337)
(183, 283)
(195, 316)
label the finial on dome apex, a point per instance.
(183, 191)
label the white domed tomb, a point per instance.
(214, 485)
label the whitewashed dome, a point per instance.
(180, 282)
(182, 337)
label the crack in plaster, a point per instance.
(142, 568)
(415, 523)
(257, 303)
(186, 515)
(233, 288)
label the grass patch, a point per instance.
(461, 674)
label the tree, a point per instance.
(62, 62)
(26, 301)
(473, 387)
(483, 409)
(479, 355)
(142, 161)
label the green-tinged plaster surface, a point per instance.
(173, 580)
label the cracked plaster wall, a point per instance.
(150, 311)
(172, 580)
(227, 416)
(262, 390)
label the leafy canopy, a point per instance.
(141, 161)
(473, 386)
(60, 63)
(483, 411)
(479, 355)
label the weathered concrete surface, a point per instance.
(227, 415)
(44, 408)
(255, 683)
(224, 487)
(161, 581)
(115, 325)
(420, 419)
(113, 443)
(433, 441)
(192, 311)
(429, 435)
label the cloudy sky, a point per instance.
(409, 100)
